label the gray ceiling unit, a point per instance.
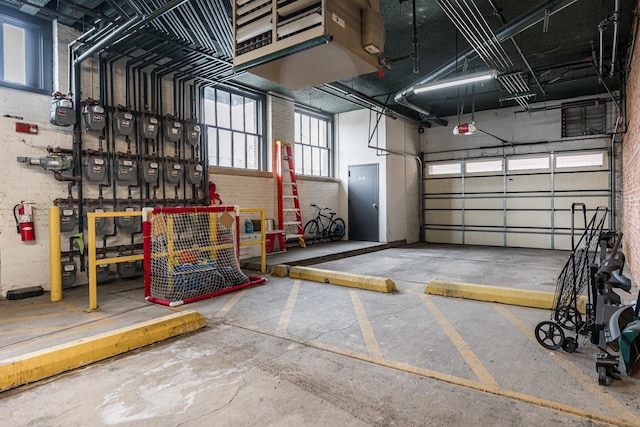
(305, 43)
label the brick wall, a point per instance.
(630, 170)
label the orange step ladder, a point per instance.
(289, 214)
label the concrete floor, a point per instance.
(294, 352)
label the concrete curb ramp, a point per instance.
(360, 281)
(41, 364)
(522, 297)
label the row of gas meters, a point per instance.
(126, 224)
(94, 118)
(124, 270)
(125, 169)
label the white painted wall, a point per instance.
(399, 174)
(352, 130)
(534, 132)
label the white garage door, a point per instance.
(517, 201)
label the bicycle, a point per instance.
(323, 226)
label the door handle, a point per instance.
(375, 206)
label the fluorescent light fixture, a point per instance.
(457, 81)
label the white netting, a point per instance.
(191, 253)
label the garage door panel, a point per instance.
(483, 184)
(540, 219)
(528, 240)
(444, 217)
(532, 203)
(444, 236)
(483, 203)
(524, 208)
(526, 183)
(445, 185)
(443, 203)
(485, 238)
(484, 218)
(581, 181)
(562, 219)
(592, 202)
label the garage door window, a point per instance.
(483, 166)
(444, 169)
(528, 163)
(580, 161)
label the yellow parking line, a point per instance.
(365, 326)
(469, 356)
(19, 332)
(285, 317)
(63, 332)
(586, 382)
(229, 305)
(451, 379)
(38, 316)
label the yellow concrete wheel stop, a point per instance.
(42, 364)
(361, 281)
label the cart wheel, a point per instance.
(549, 335)
(602, 375)
(568, 317)
(570, 345)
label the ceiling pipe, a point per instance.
(521, 24)
(136, 20)
(616, 18)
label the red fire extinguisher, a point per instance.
(24, 221)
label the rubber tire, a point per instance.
(336, 230)
(568, 317)
(570, 345)
(555, 330)
(311, 232)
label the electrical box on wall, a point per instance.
(305, 43)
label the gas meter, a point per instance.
(62, 112)
(194, 174)
(149, 126)
(193, 133)
(123, 122)
(93, 115)
(172, 130)
(172, 172)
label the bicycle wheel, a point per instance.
(336, 229)
(311, 232)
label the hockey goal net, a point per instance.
(192, 253)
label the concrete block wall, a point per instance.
(630, 170)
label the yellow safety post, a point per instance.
(55, 261)
(91, 242)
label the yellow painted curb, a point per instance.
(280, 270)
(526, 298)
(361, 281)
(41, 364)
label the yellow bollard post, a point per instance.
(55, 262)
(91, 243)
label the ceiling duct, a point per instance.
(306, 43)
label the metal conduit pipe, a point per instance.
(107, 39)
(480, 36)
(616, 18)
(521, 24)
(482, 43)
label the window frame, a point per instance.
(38, 38)
(301, 147)
(259, 120)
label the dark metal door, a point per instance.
(363, 203)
